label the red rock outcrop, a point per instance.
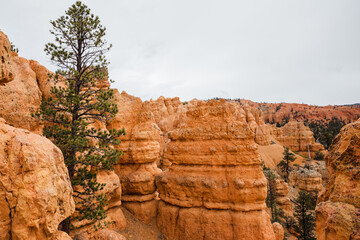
(35, 189)
(338, 211)
(306, 179)
(282, 198)
(299, 138)
(141, 147)
(6, 72)
(276, 112)
(21, 95)
(215, 188)
(278, 230)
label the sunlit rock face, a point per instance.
(214, 188)
(35, 189)
(21, 95)
(338, 211)
(141, 146)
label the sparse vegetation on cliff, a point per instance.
(272, 194)
(284, 164)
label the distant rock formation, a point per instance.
(306, 179)
(35, 189)
(277, 112)
(282, 198)
(338, 211)
(298, 138)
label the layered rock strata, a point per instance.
(306, 179)
(214, 188)
(282, 198)
(141, 147)
(338, 211)
(299, 138)
(35, 189)
(277, 112)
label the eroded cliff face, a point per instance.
(215, 188)
(35, 189)
(6, 72)
(298, 137)
(338, 211)
(306, 180)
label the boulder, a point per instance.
(35, 189)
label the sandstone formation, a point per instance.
(257, 125)
(276, 112)
(338, 211)
(278, 230)
(141, 147)
(115, 216)
(299, 138)
(105, 234)
(35, 190)
(21, 96)
(6, 72)
(306, 179)
(282, 199)
(320, 167)
(214, 188)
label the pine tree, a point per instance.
(82, 100)
(305, 216)
(284, 164)
(272, 194)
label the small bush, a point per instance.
(319, 156)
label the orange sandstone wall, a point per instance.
(338, 209)
(215, 188)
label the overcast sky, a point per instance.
(304, 51)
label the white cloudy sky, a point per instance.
(270, 51)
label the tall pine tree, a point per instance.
(78, 51)
(272, 194)
(304, 214)
(284, 164)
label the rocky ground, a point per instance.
(136, 230)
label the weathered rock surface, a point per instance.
(338, 211)
(115, 216)
(6, 72)
(306, 179)
(214, 188)
(21, 95)
(35, 190)
(141, 147)
(106, 234)
(278, 230)
(299, 138)
(282, 198)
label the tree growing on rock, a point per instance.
(284, 164)
(272, 194)
(304, 215)
(76, 102)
